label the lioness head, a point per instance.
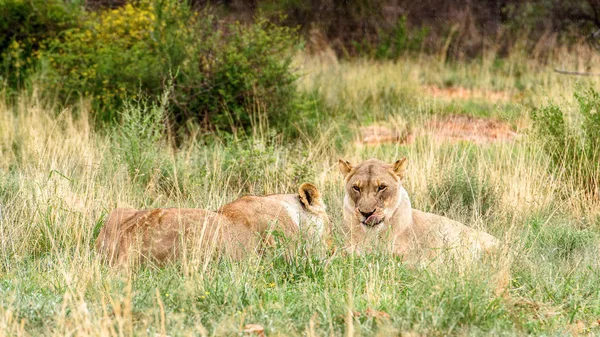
(373, 189)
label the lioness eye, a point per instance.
(382, 187)
(356, 188)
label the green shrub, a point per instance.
(119, 53)
(228, 78)
(238, 76)
(560, 240)
(25, 28)
(461, 192)
(140, 144)
(574, 148)
(394, 43)
(140, 138)
(589, 107)
(564, 241)
(277, 165)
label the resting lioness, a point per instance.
(377, 211)
(235, 229)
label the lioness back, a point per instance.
(155, 233)
(237, 228)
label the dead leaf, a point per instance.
(255, 329)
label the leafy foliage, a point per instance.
(120, 53)
(250, 158)
(394, 43)
(138, 139)
(234, 76)
(25, 29)
(221, 77)
(463, 191)
(574, 148)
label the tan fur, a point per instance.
(236, 229)
(377, 212)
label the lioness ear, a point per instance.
(399, 167)
(345, 167)
(309, 195)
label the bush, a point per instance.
(560, 240)
(461, 192)
(140, 144)
(277, 165)
(238, 77)
(394, 43)
(221, 77)
(25, 29)
(139, 138)
(574, 148)
(119, 53)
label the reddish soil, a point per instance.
(476, 130)
(444, 129)
(464, 93)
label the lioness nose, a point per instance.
(367, 214)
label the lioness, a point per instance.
(377, 211)
(235, 229)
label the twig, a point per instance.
(576, 73)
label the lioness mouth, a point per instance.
(372, 221)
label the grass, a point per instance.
(59, 178)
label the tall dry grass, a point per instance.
(59, 177)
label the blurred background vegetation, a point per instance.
(228, 67)
(228, 64)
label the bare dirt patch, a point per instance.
(477, 130)
(493, 96)
(452, 129)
